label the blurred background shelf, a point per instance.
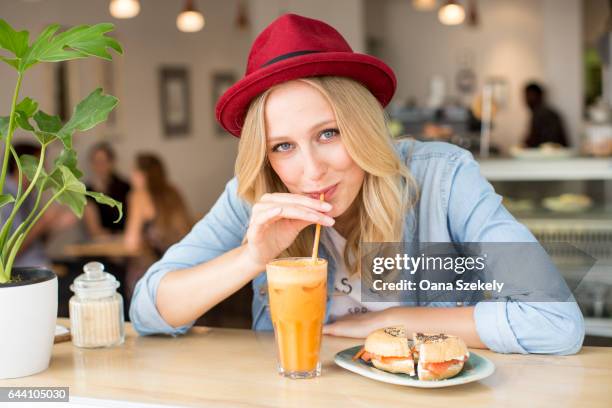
(577, 168)
(601, 327)
(597, 217)
(579, 242)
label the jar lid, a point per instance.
(94, 283)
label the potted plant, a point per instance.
(28, 296)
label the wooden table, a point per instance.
(228, 367)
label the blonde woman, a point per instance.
(309, 114)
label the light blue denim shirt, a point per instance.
(456, 204)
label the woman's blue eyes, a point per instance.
(325, 135)
(330, 132)
(279, 147)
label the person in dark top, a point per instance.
(100, 219)
(546, 125)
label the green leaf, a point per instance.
(103, 199)
(54, 180)
(48, 126)
(92, 41)
(27, 106)
(73, 194)
(68, 158)
(47, 123)
(4, 125)
(13, 62)
(6, 199)
(13, 41)
(38, 47)
(87, 114)
(71, 183)
(44, 138)
(24, 111)
(22, 121)
(77, 42)
(29, 164)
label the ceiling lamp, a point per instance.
(424, 5)
(124, 8)
(190, 20)
(451, 13)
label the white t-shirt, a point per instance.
(346, 298)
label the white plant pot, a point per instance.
(28, 313)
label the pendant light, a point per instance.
(124, 8)
(424, 5)
(451, 13)
(190, 20)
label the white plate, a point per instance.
(476, 368)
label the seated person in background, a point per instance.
(546, 125)
(100, 219)
(32, 251)
(158, 216)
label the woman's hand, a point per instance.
(358, 325)
(276, 221)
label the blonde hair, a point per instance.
(388, 190)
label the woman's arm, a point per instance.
(211, 262)
(220, 231)
(506, 324)
(186, 294)
(134, 222)
(458, 321)
(92, 222)
(513, 324)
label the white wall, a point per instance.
(520, 40)
(347, 16)
(563, 66)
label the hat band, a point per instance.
(287, 56)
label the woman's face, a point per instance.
(305, 147)
(101, 164)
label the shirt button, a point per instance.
(459, 303)
(262, 290)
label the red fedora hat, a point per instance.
(293, 47)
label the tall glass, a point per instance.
(297, 290)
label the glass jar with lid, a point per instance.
(96, 309)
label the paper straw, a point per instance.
(315, 248)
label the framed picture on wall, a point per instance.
(221, 81)
(175, 101)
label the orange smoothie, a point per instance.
(297, 290)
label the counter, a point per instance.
(228, 367)
(572, 168)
